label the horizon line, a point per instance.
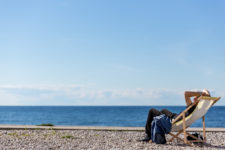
(94, 105)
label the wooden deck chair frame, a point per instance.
(183, 119)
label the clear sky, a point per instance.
(110, 52)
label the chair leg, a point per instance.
(175, 136)
(184, 129)
(203, 124)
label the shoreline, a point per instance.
(101, 128)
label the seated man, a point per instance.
(153, 112)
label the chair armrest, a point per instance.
(189, 107)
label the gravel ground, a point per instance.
(96, 140)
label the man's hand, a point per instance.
(196, 98)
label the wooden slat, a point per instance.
(181, 114)
(175, 136)
(203, 124)
(210, 98)
(184, 128)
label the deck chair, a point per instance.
(182, 122)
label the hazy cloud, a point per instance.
(86, 95)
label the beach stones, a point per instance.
(92, 139)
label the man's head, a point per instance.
(205, 93)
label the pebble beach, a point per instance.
(50, 139)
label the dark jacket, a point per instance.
(161, 125)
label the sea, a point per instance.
(122, 116)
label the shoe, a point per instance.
(146, 139)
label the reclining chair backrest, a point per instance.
(203, 105)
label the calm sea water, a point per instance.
(130, 116)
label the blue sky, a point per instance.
(85, 52)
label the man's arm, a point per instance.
(189, 94)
